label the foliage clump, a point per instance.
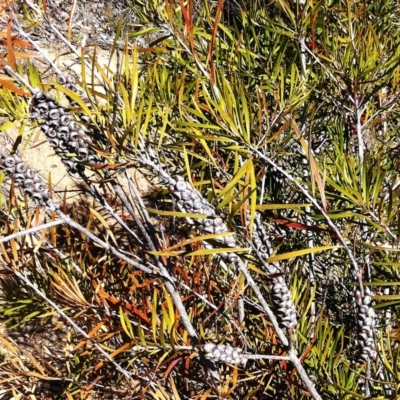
(262, 263)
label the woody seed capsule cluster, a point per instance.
(366, 323)
(62, 132)
(69, 82)
(190, 201)
(284, 308)
(224, 353)
(25, 177)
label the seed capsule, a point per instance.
(209, 347)
(45, 194)
(40, 186)
(52, 104)
(54, 114)
(73, 136)
(62, 145)
(216, 354)
(70, 165)
(9, 162)
(37, 198)
(82, 153)
(71, 79)
(367, 300)
(40, 97)
(54, 142)
(218, 221)
(28, 183)
(19, 179)
(72, 126)
(82, 143)
(65, 120)
(21, 168)
(180, 186)
(92, 158)
(43, 108)
(197, 205)
(186, 195)
(61, 80)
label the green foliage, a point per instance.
(215, 97)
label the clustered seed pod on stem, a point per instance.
(69, 82)
(62, 132)
(25, 178)
(284, 308)
(366, 323)
(190, 201)
(224, 353)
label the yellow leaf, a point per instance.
(126, 324)
(297, 253)
(246, 166)
(104, 223)
(204, 252)
(76, 98)
(141, 334)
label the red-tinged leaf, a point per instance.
(114, 166)
(10, 49)
(297, 225)
(212, 44)
(171, 366)
(13, 88)
(186, 16)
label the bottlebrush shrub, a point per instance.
(258, 201)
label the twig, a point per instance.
(31, 230)
(36, 46)
(69, 221)
(21, 79)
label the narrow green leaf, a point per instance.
(298, 253)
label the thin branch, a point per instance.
(105, 245)
(31, 230)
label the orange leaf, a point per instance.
(25, 55)
(22, 43)
(140, 314)
(10, 49)
(13, 88)
(7, 6)
(126, 346)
